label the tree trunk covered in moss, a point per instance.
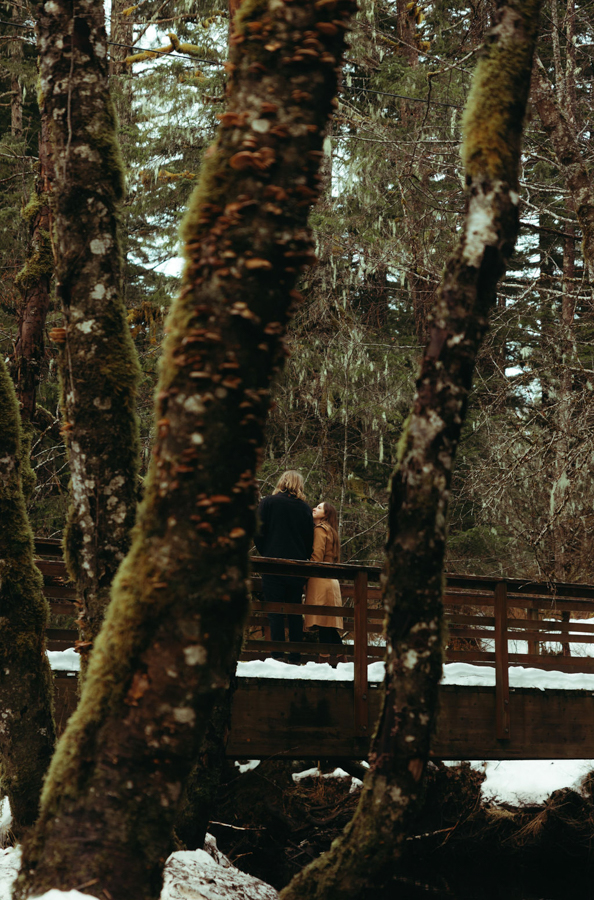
(560, 128)
(34, 282)
(99, 367)
(202, 786)
(168, 647)
(27, 726)
(420, 486)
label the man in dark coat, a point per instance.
(286, 532)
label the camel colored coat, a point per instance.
(323, 591)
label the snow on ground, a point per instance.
(64, 660)
(247, 766)
(195, 874)
(198, 874)
(519, 781)
(315, 773)
(10, 861)
(336, 773)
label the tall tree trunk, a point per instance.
(562, 134)
(16, 88)
(406, 30)
(169, 643)
(121, 35)
(392, 792)
(99, 368)
(27, 731)
(34, 281)
(202, 786)
(561, 518)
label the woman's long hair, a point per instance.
(331, 517)
(291, 482)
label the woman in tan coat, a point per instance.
(325, 591)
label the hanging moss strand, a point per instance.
(169, 643)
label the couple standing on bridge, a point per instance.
(290, 529)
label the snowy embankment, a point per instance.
(200, 874)
(507, 781)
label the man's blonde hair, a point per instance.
(291, 482)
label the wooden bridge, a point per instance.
(301, 718)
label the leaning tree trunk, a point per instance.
(420, 486)
(168, 646)
(27, 728)
(99, 368)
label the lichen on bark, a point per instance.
(368, 851)
(169, 642)
(26, 723)
(98, 364)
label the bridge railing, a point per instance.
(486, 619)
(360, 620)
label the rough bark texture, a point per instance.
(26, 725)
(420, 486)
(202, 786)
(99, 367)
(34, 282)
(169, 642)
(561, 131)
(121, 32)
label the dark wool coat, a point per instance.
(286, 527)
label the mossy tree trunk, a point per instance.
(27, 726)
(34, 282)
(420, 487)
(99, 367)
(202, 786)
(169, 643)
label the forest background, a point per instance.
(523, 499)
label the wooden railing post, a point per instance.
(360, 680)
(533, 646)
(502, 726)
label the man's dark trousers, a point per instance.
(281, 589)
